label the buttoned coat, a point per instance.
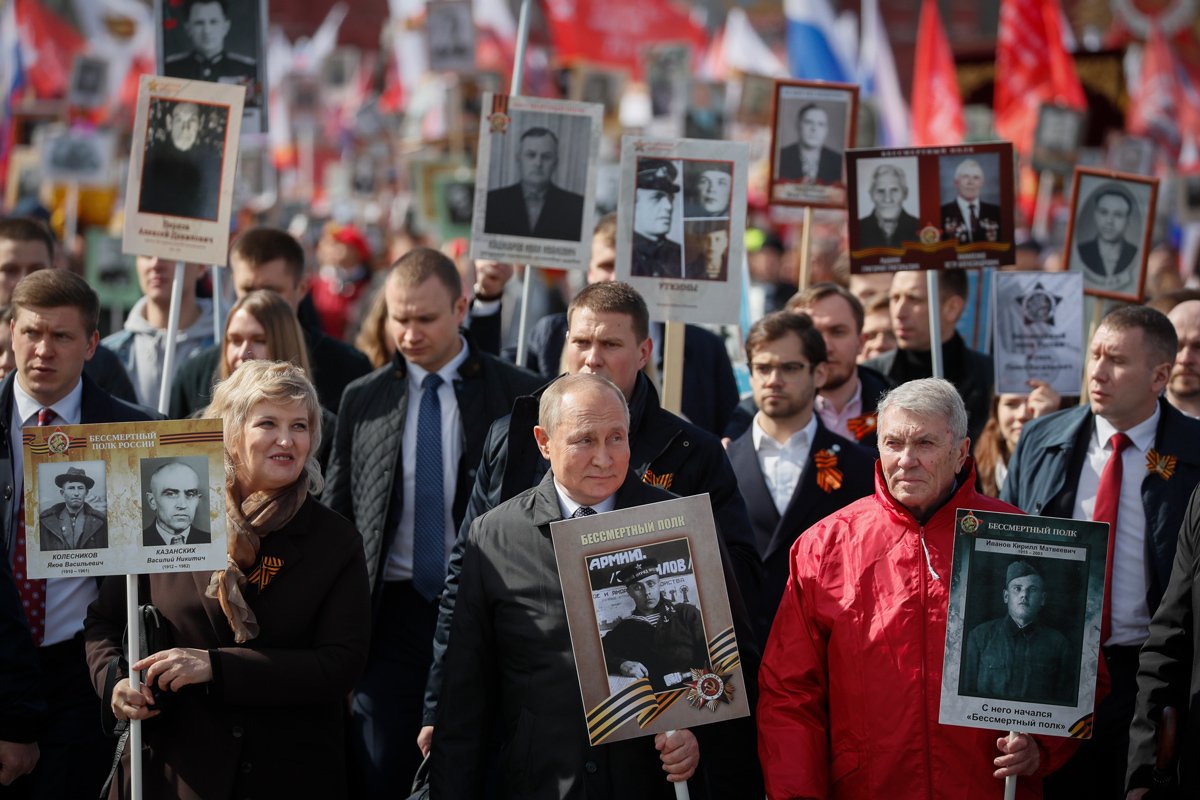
(95, 529)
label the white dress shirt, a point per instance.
(782, 463)
(568, 506)
(839, 421)
(67, 599)
(1130, 614)
(400, 556)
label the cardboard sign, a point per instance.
(1108, 237)
(813, 126)
(1038, 330)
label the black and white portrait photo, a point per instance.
(1057, 138)
(459, 197)
(970, 198)
(175, 501)
(705, 114)
(78, 155)
(657, 222)
(1107, 240)
(706, 249)
(708, 188)
(451, 36)
(888, 202)
(182, 170)
(72, 506)
(668, 70)
(812, 128)
(89, 82)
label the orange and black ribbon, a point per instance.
(829, 477)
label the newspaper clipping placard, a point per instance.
(535, 180)
(1038, 330)
(181, 169)
(1023, 627)
(124, 498)
(931, 208)
(813, 127)
(681, 224)
(649, 616)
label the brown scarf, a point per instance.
(249, 521)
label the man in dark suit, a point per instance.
(966, 218)
(888, 224)
(22, 707)
(1109, 256)
(174, 497)
(534, 206)
(791, 469)
(73, 524)
(408, 441)
(808, 160)
(53, 334)
(1127, 458)
(509, 669)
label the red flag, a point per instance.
(1156, 107)
(937, 110)
(49, 45)
(1032, 68)
(615, 32)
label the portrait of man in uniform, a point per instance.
(207, 24)
(181, 176)
(173, 497)
(655, 255)
(535, 206)
(72, 524)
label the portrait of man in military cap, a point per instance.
(71, 522)
(654, 254)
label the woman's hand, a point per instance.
(176, 668)
(130, 703)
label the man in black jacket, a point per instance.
(21, 704)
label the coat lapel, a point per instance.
(807, 498)
(764, 515)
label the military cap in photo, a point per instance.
(1019, 569)
(637, 571)
(659, 174)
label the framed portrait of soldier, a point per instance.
(649, 617)
(1057, 138)
(1108, 235)
(1023, 625)
(185, 134)
(813, 125)
(535, 181)
(455, 206)
(681, 224)
(88, 87)
(705, 115)
(82, 156)
(450, 35)
(1188, 198)
(590, 83)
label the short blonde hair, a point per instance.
(266, 381)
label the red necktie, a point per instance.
(974, 222)
(31, 590)
(1108, 500)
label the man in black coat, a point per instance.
(535, 206)
(888, 224)
(442, 387)
(966, 218)
(22, 707)
(174, 497)
(509, 666)
(808, 159)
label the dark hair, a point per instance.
(1113, 190)
(807, 107)
(819, 291)
(261, 245)
(27, 229)
(607, 228)
(539, 132)
(1157, 330)
(952, 282)
(422, 263)
(190, 4)
(56, 288)
(775, 326)
(991, 450)
(613, 297)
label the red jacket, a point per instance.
(850, 683)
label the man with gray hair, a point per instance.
(888, 224)
(857, 646)
(966, 218)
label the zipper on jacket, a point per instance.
(928, 560)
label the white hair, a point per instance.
(929, 397)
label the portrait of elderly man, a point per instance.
(709, 186)
(206, 23)
(1017, 656)
(654, 255)
(661, 640)
(534, 206)
(181, 176)
(1108, 256)
(888, 224)
(808, 159)
(856, 650)
(73, 524)
(174, 497)
(966, 218)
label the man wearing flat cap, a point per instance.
(1018, 657)
(654, 255)
(661, 640)
(73, 524)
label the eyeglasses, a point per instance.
(789, 369)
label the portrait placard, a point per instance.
(535, 181)
(81, 156)
(111, 273)
(24, 180)
(931, 208)
(1023, 626)
(1189, 195)
(455, 202)
(704, 117)
(681, 226)
(642, 674)
(1057, 138)
(667, 68)
(450, 35)
(756, 100)
(124, 498)
(425, 174)
(185, 134)
(1108, 235)
(219, 42)
(1127, 153)
(88, 87)
(591, 83)
(812, 127)
(1038, 330)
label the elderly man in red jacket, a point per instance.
(851, 679)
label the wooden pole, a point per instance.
(935, 323)
(805, 249)
(672, 380)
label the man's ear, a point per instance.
(820, 374)
(542, 437)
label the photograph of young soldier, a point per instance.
(1018, 656)
(207, 24)
(662, 640)
(181, 176)
(173, 497)
(706, 248)
(888, 224)
(1106, 227)
(966, 217)
(708, 186)
(535, 205)
(73, 524)
(807, 159)
(654, 254)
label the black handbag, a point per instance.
(420, 784)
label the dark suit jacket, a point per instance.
(22, 704)
(1089, 254)
(829, 166)
(561, 216)
(511, 680)
(871, 235)
(775, 534)
(152, 538)
(952, 213)
(271, 722)
(95, 529)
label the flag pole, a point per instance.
(935, 323)
(518, 75)
(805, 250)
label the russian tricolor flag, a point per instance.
(811, 41)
